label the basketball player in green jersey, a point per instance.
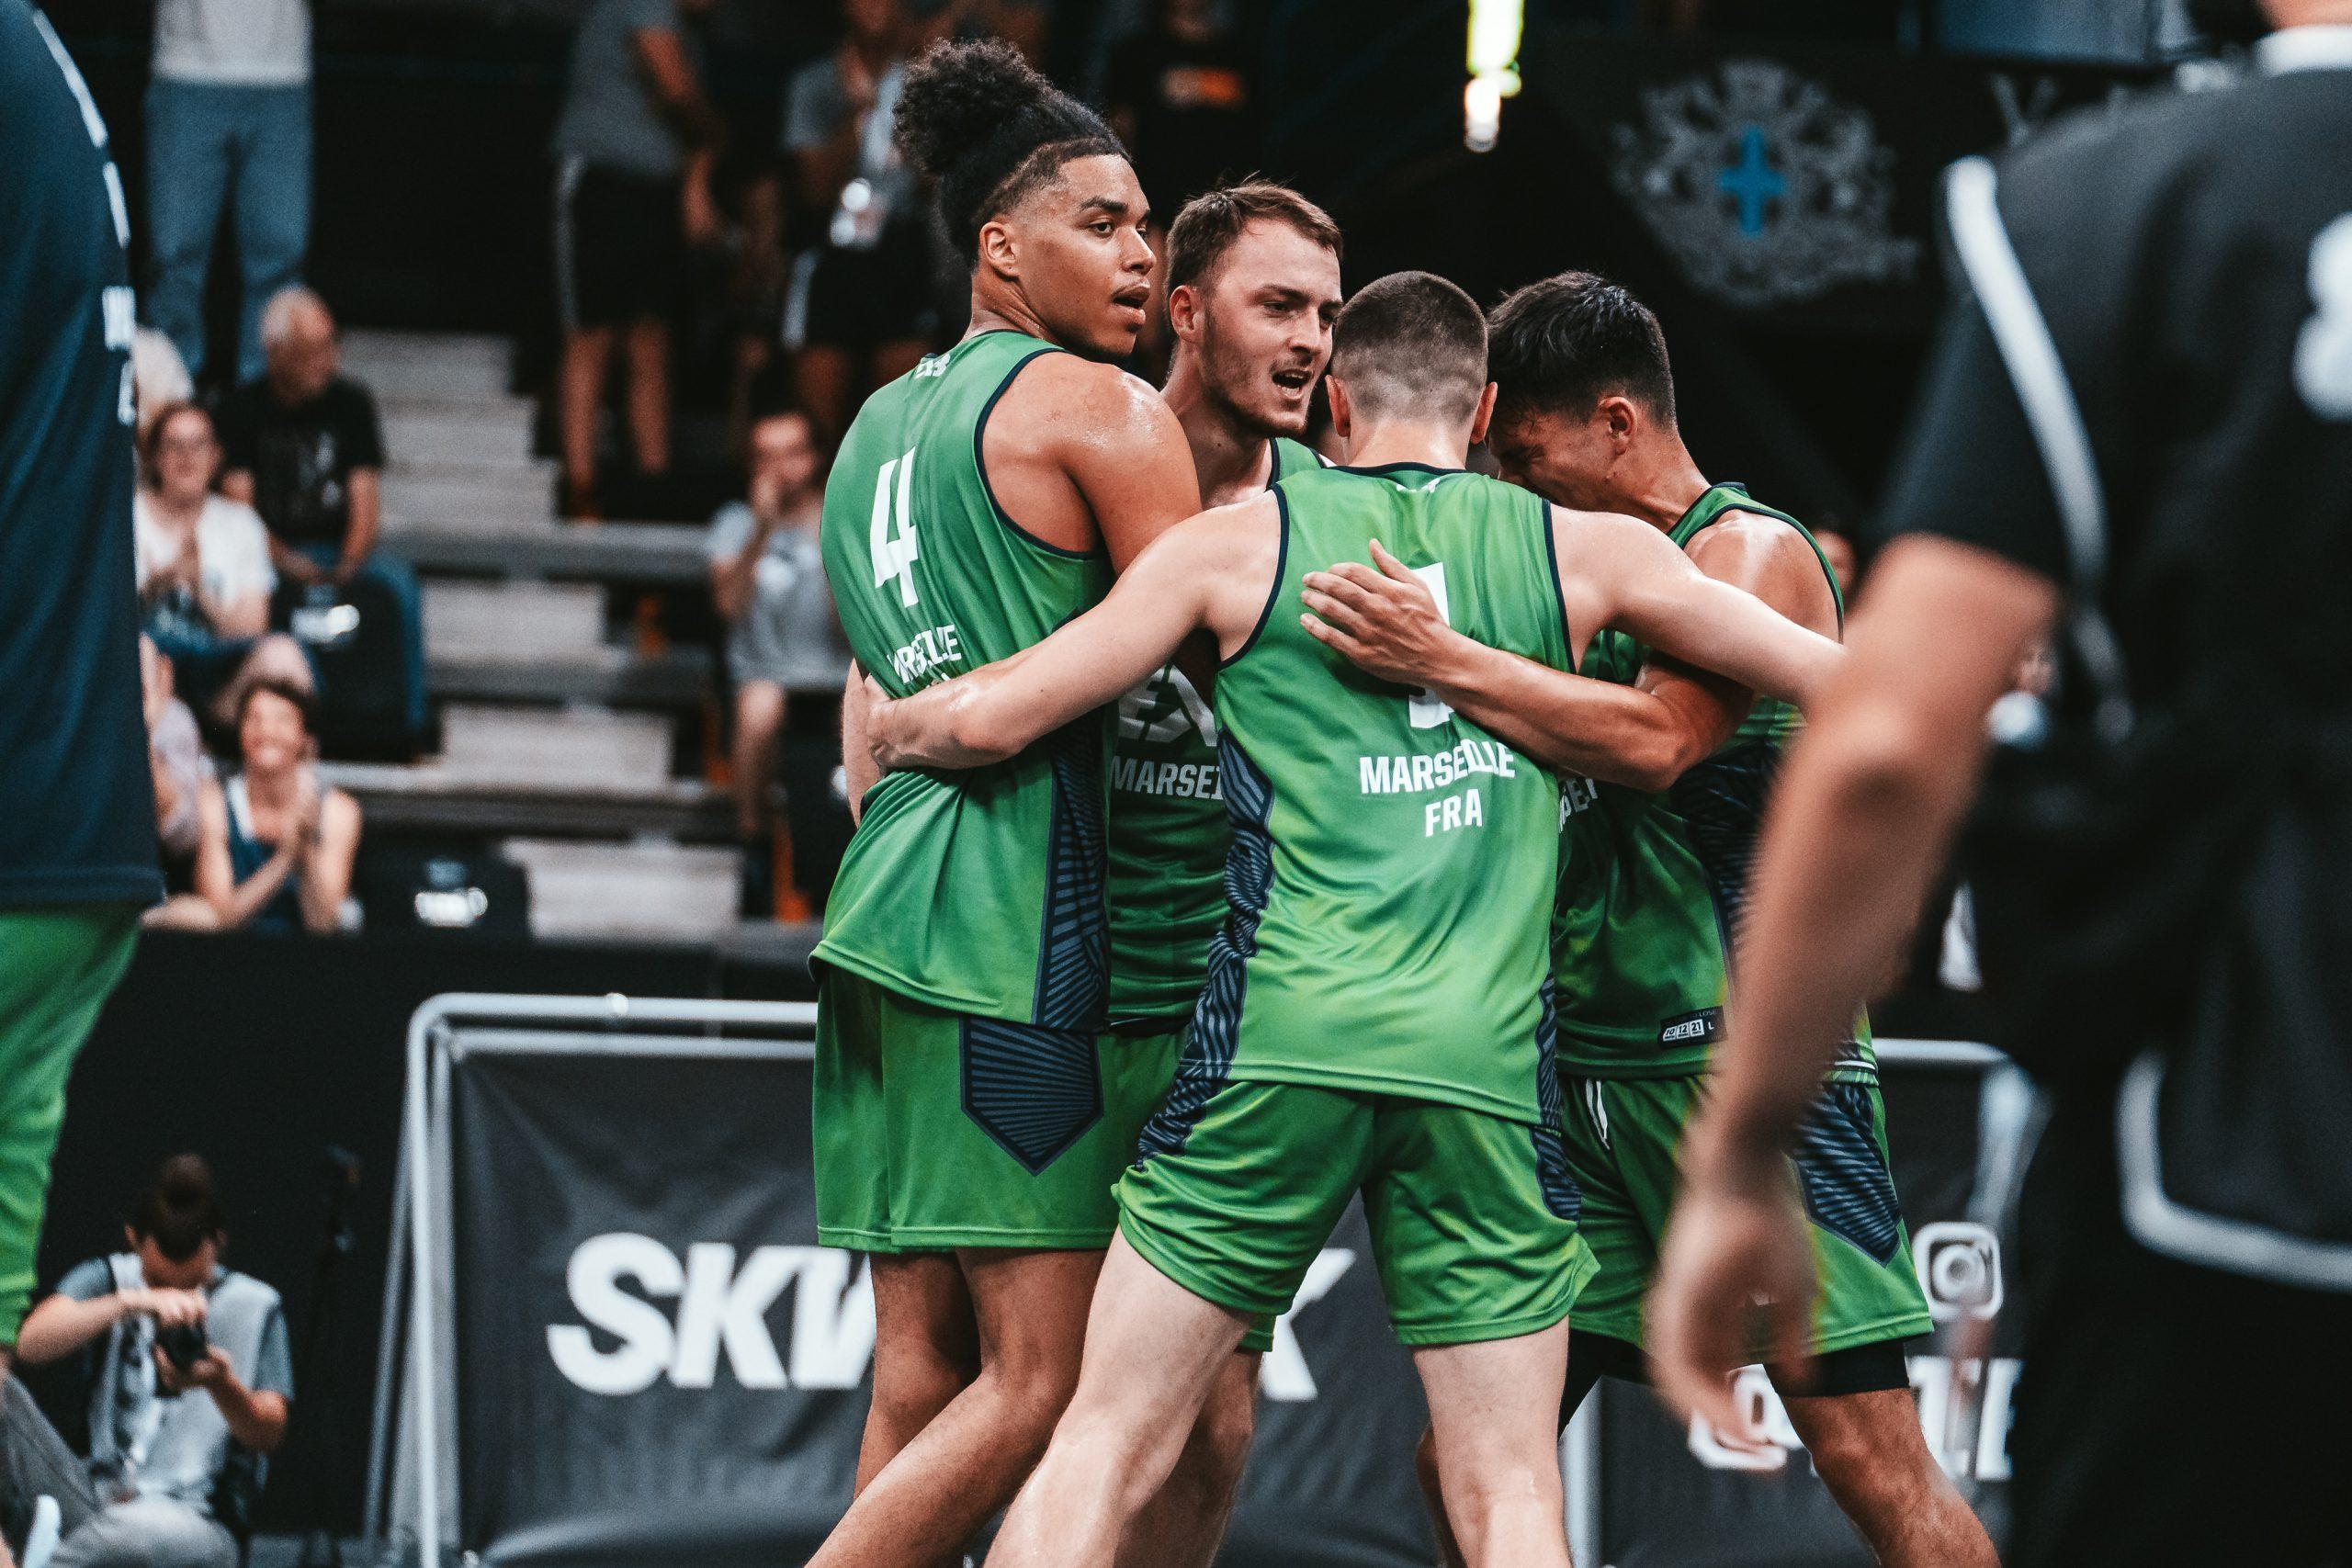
(1377, 1014)
(1253, 278)
(968, 1127)
(1673, 767)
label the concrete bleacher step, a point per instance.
(675, 679)
(664, 554)
(515, 620)
(644, 889)
(429, 365)
(434, 434)
(471, 495)
(427, 798)
(611, 748)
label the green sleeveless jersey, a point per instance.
(979, 891)
(1168, 836)
(1391, 864)
(1651, 886)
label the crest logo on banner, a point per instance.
(1766, 188)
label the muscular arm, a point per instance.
(1078, 452)
(1171, 590)
(1627, 575)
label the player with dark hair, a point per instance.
(970, 1116)
(1671, 767)
(1377, 1013)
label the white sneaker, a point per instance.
(41, 1541)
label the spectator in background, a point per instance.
(782, 634)
(276, 847)
(228, 113)
(175, 756)
(203, 568)
(180, 1424)
(304, 448)
(1182, 96)
(861, 310)
(635, 150)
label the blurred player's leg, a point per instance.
(970, 1460)
(1184, 1523)
(1153, 1351)
(1493, 1413)
(926, 1351)
(1873, 1458)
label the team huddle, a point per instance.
(1245, 831)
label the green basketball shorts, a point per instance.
(1623, 1139)
(938, 1130)
(57, 968)
(1472, 1217)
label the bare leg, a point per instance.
(1874, 1460)
(1153, 1351)
(822, 376)
(1448, 1551)
(1494, 1409)
(969, 1462)
(1183, 1524)
(648, 395)
(758, 719)
(926, 1351)
(579, 400)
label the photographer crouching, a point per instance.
(191, 1382)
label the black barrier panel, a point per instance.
(656, 1361)
(1691, 1497)
(658, 1364)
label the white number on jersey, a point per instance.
(2324, 352)
(1427, 712)
(893, 532)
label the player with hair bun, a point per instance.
(971, 1114)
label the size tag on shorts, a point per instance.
(1701, 1028)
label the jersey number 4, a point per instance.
(893, 532)
(1425, 710)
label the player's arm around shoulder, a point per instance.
(1196, 575)
(1621, 573)
(1116, 444)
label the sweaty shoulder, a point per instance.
(1067, 397)
(1770, 558)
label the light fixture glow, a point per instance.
(1495, 29)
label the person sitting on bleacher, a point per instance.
(782, 634)
(203, 568)
(305, 449)
(277, 847)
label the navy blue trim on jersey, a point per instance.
(1561, 1193)
(1378, 469)
(1846, 1189)
(1073, 987)
(1206, 1059)
(1719, 800)
(980, 435)
(1034, 1092)
(1559, 587)
(1281, 564)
